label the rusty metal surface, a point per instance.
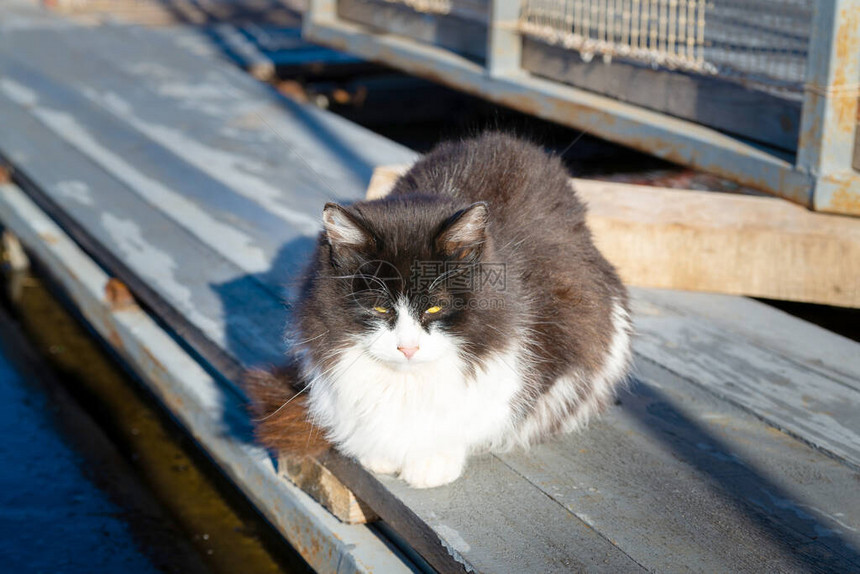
(829, 124)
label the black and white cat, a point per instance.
(468, 311)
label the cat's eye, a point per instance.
(381, 309)
(433, 309)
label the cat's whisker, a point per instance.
(453, 272)
(343, 369)
(293, 343)
(280, 408)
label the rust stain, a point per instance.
(847, 40)
(847, 48)
(158, 364)
(118, 296)
(845, 201)
(48, 238)
(313, 549)
(5, 174)
(293, 90)
(845, 109)
(114, 339)
(807, 136)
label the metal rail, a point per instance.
(820, 176)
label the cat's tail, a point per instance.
(280, 413)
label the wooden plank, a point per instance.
(821, 410)
(264, 40)
(757, 246)
(315, 479)
(683, 481)
(491, 520)
(199, 289)
(210, 411)
(297, 153)
(729, 107)
(708, 241)
(810, 346)
(175, 12)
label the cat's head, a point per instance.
(408, 282)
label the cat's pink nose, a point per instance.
(408, 351)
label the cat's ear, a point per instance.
(343, 229)
(464, 234)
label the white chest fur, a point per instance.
(387, 417)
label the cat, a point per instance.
(468, 311)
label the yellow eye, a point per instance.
(380, 309)
(433, 309)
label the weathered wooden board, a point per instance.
(252, 208)
(175, 12)
(311, 476)
(280, 155)
(264, 38)
(819, 409)
(206, 289)
(811, 346)
(735, 244)
(499, 522)
(684, 482)
(718, 242)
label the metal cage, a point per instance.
(764, 92)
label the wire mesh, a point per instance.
(759, 40)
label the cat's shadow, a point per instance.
(258, 342)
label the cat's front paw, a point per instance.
(432, 471)
(379, 465)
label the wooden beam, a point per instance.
(717, 242)
(316, 480)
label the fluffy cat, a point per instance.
(468, 311)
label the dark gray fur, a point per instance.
(558, 287)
